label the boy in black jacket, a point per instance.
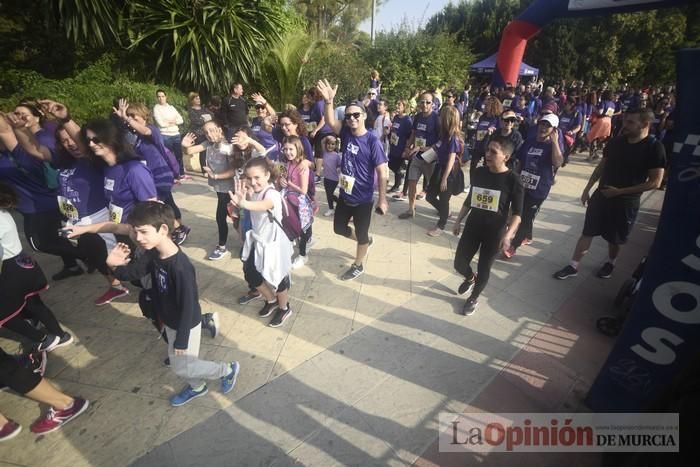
(175, 297)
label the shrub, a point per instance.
(88, 94)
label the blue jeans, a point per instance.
(174, 143)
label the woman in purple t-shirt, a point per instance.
(440, 186)
(126, 180)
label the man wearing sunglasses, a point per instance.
(363, 159)
(426, 131)
(538, 159)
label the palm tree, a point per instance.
(281, 72)
(206, 44)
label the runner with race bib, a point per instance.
(495, 192)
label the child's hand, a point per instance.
(283, 182)
(119, 256)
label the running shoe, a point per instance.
(210, 322)
(420, 195)
(469, 306)
(55, 419)
(111, 294)
(527, 241)
(605, 272)
(180, 234)
(329, 213)
(9, 430)
(467, 286)
(280, 317)
(229, 381)
(566, 272)
(249, 297)
(300, 262)
(267, 309)
(48, 344)
(436, 232)
(187, 394)
(218, 253)
(354, 272)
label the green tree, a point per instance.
(339, 64)
(334, 19)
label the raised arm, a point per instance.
(258, 98)
(328, 92)
(7, 135)
(121, 112)
(61, 113)
(188, 146)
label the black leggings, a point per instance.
(41, 230)
(330, 185)
(13, 375)
(304, 240)
(36, 309)
(487, 243)
(167, 198)
(221, 214)
(253, 277)
(531, 207)
(93, 250)
(440, 200)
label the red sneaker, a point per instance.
(55, 419)
(509, 252)
(9, 430)
(111, 294)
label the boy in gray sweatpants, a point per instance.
(175, 297)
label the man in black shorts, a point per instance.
(363, 161)
(632, 164)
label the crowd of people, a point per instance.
(100, 197)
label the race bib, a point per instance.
(421, 142)
(394, 138)
(609, 112)
(115, 213)
(68, 209)
(507, 102)
(206, 118)
(529, 180)
(480, 134)
(346, 182)
(109, 184)
(483, 198)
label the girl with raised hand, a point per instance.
(267, 251)
(151, 148)
(296, 184)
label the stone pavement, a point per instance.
(360, 372)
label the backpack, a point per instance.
(290, 224)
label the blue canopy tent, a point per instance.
(488, 65)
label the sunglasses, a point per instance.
(372, 93)
(94, 140)
(510, 120)
(449, 96)
(355, 115)
(426, 102)
(260, 106)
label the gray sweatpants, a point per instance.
(189, 366)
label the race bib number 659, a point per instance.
(483, 198)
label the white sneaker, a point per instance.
(311, 242)
(329, 213)
(299, 262)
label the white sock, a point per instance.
(574, 264)
(612, 261)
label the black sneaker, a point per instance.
(65, 273)
(469, 306)
(166, 362)
(48, 344)
(354, 272)
(566, 272)
(249, 297)
(267, 309)
(280, 317)
(606, 271)
(467, 286)
(210, 322)
(180, 234)
(64, 339)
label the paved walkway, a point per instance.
(359, 373)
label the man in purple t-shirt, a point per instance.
(363, 159)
